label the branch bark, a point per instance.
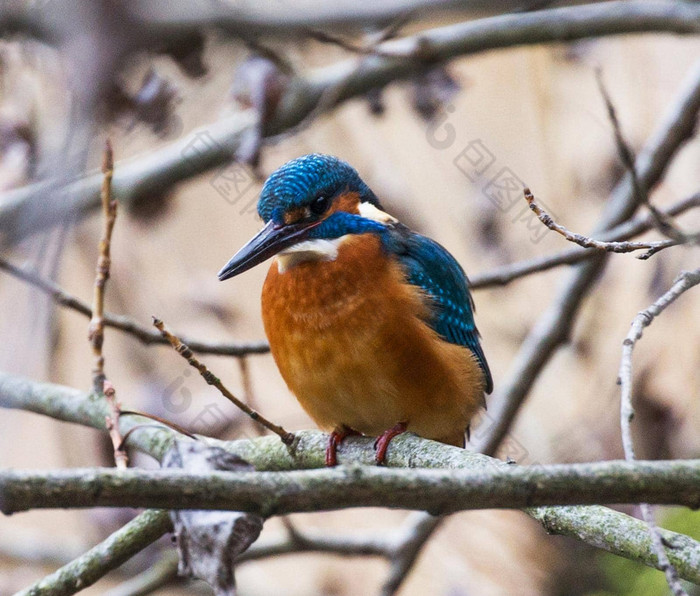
(599, 526)
(439, 491)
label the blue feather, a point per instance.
(297, 182)
(430, 267)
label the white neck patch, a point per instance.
(309, 250)
(369, 211)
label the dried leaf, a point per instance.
(432, 90)
(153, 105)
(210, 541)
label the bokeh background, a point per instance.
(538, 112)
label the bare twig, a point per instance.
(144, 334)
(371, 46)
(100, 384)
(96, 327)
(186, 353)
(103, 558)
(553, 328)
(352, 545)
(176, 427)
(684, 282)
(586, 242)
(112, 424)
(640, 224)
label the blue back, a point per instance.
(430, 267)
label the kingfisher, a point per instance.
(370, 323)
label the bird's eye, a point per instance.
(320, 204)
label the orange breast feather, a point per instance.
(350, 341)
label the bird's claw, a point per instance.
(383, 440)
(334, 441)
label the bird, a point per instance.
(370, 324)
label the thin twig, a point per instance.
(627, 157)
(96, 327)
(144, 334)
(176, 427)
(586, 242)
(112, 424)
(186, 353)
(684, 282)
(364, 49)
(640, 224)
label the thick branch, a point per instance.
(217, 144)
(277, 493)
(103, 558)
(595, 525)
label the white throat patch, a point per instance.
(309, 250)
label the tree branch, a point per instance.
(685, 281)
(286, 437)
(599, 526)
(103, 558)
(217, 144)
(554, 327)
(145, 335)
(407, 546)
(439, 491)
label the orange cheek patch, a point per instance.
(295, 215)
(348, 202)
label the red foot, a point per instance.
(334, 441)
(383, 440)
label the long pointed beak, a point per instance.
(272, 239)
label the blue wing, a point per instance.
(430, 267)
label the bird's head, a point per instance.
(314, 197)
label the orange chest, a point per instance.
(315, 297)
(349, 339)
(318, 309)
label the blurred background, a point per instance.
(429, 148)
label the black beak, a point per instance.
(272, 239)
